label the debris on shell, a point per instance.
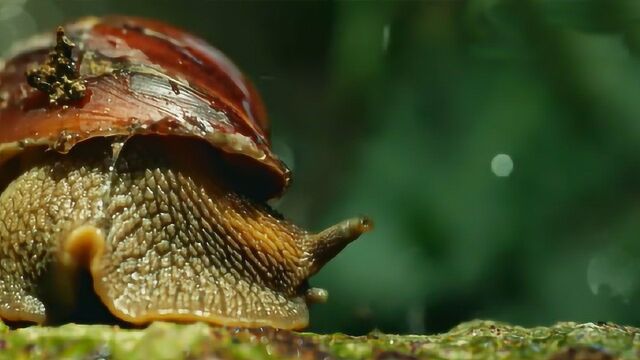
(58, 77)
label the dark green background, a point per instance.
(404, 129)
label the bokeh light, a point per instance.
(502, 165)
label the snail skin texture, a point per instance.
(138, 155)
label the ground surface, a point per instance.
(473, 340)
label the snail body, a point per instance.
(139, 153)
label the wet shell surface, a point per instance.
(135, 153)
(140, 77)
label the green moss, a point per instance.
(472, 340)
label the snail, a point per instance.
(138, 153)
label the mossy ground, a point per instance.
(472, 340)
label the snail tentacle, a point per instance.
(325, 245)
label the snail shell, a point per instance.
(139, 154)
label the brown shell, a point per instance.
(142, 77)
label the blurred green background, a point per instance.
(396, 110)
